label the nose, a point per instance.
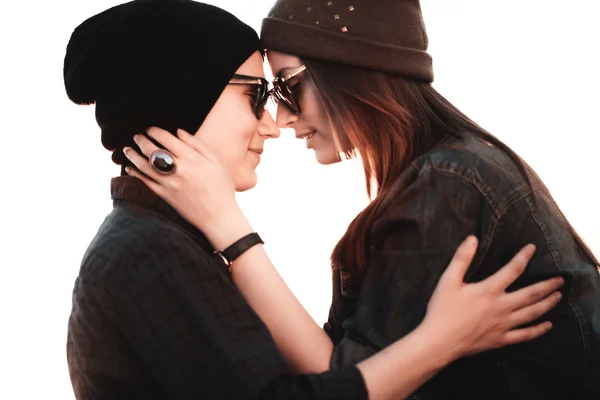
(267, 126)
(285, 117)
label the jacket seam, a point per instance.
(557, 264)
(497, 214)
(467, 179)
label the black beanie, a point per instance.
(384, 35)
(154, 63)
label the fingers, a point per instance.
(155, 187)
(197, 144)
(535, 311)
(533, 293)
(526, 334)
(513, 270)
(141, 163)
(180, 146)
(457, 269)
(145, 145)
(170, 142)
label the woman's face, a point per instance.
(233, 132)
(312, 123)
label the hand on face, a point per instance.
(481, 316)
(200, 188)
(220, 159)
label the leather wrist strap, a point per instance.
(238, 248)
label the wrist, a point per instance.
(227, 229)
(443, 347)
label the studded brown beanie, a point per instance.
(384, 35)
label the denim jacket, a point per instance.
(465, 187)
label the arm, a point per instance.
(302, 343)
(403, 366)
(223, 223)
(411, 257)
(192, 330)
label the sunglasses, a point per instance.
(282, 91)
(262, 91)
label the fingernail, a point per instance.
(181, 132)
(560, 281)
(471, 241)
(530, 249)
(136, 138)
(125, 151)
(128, 170)
(149, 130)
(557, 297)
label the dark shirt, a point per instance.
(155, 316)
(457, 189)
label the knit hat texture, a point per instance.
(384, 35)
(154, 63)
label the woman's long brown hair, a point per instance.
(389, 121)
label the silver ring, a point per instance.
(162, 161)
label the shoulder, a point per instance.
(487, 168)
(134, 239)
(458, 171)
(469, 158)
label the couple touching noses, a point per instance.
(176, 297)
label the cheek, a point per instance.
(240, 164)
(313, 112)
(228, 132)
(234, 155)
(229, 137)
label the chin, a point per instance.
(327, 158)
(247, 183)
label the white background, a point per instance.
(527, 70)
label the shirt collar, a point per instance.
(128, 189)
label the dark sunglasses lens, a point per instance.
(262, 96)
(260, 113)
(285, 94)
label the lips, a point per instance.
(257, 151)
(306, 135)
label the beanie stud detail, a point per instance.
(387, 35)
